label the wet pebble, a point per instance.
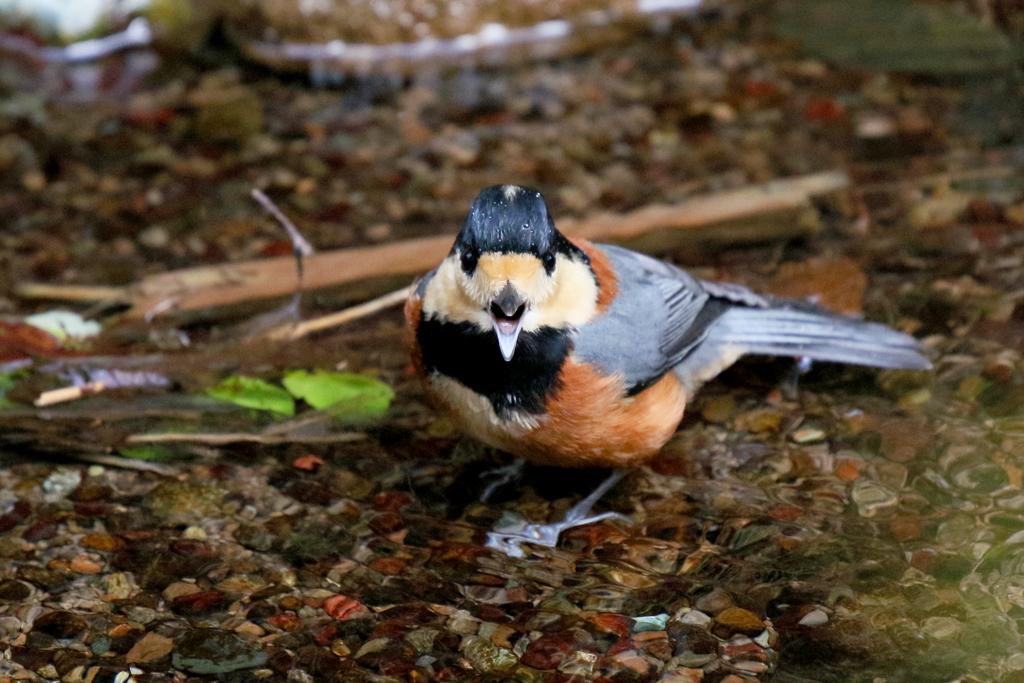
(211, 651)
(184, 502)
(150, 648)
(547, 652)
(739, 620)
(714, 601)
(13, 591)
(62, 481)
(871, 498)
(59, 624)
(487, 657)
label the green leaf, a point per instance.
(254, 393)
(151, 452)
(344, 394)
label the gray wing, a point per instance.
(665, 319)
(658, 314)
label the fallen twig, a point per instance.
(42, 290)
(63, 394)
(127, 463)
(222, 285)
(266, 439)
(342, 317)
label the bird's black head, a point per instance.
(511, 219)
(511, 270)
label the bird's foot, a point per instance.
(502, 476)
(507, 537)
(790, 385)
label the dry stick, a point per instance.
(42, 290)
(212, 286)
(221, 439)
(342, 317)
(299, 242)
(127, 463)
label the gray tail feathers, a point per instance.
(826, 336)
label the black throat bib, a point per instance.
(472, 357)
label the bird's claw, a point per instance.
(507, 539)
(509, 535)
(502, 476)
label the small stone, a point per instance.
(713, 602)
(378, 232)
(150, 648)
(33, 181)
(62, 481)
(211, 651)
(740, 620)
(807, 435)
(184, 502)
(487, 657)
(906, 528)
(695, 618)
(904, 440)
(247, 628)
(343, 608)
(14, 591)
(631, 659)
(547, 652)
(682, 675)
(871, 497)
(200, 603)
(815, 617)
(154, 237)
(760, 421)
(102, 542)
(463, 623)
(60, 624)
(719, 409)
(179, 588)
(83, 564)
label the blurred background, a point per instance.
(182, 498)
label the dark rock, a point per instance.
(200, 603)
(18, 513)
(14, 591)
(43, 577)
(210, 651)
(547, 652)
(40, 531)
(60, 624)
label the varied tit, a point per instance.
(574, 354)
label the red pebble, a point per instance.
(547, 652)
(391, 501)
(286, 621)
(610, 622)
(823, 109)
(308, 462)
(785, 512)
(342, 607)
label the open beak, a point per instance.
(507, 311)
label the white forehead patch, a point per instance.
(510, 191)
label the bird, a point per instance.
(572, 354)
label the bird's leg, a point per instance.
(507, 538)
(791, 382)
(502, 476)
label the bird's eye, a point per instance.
(468, 259)
(548, 259)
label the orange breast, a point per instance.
(590, 424)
